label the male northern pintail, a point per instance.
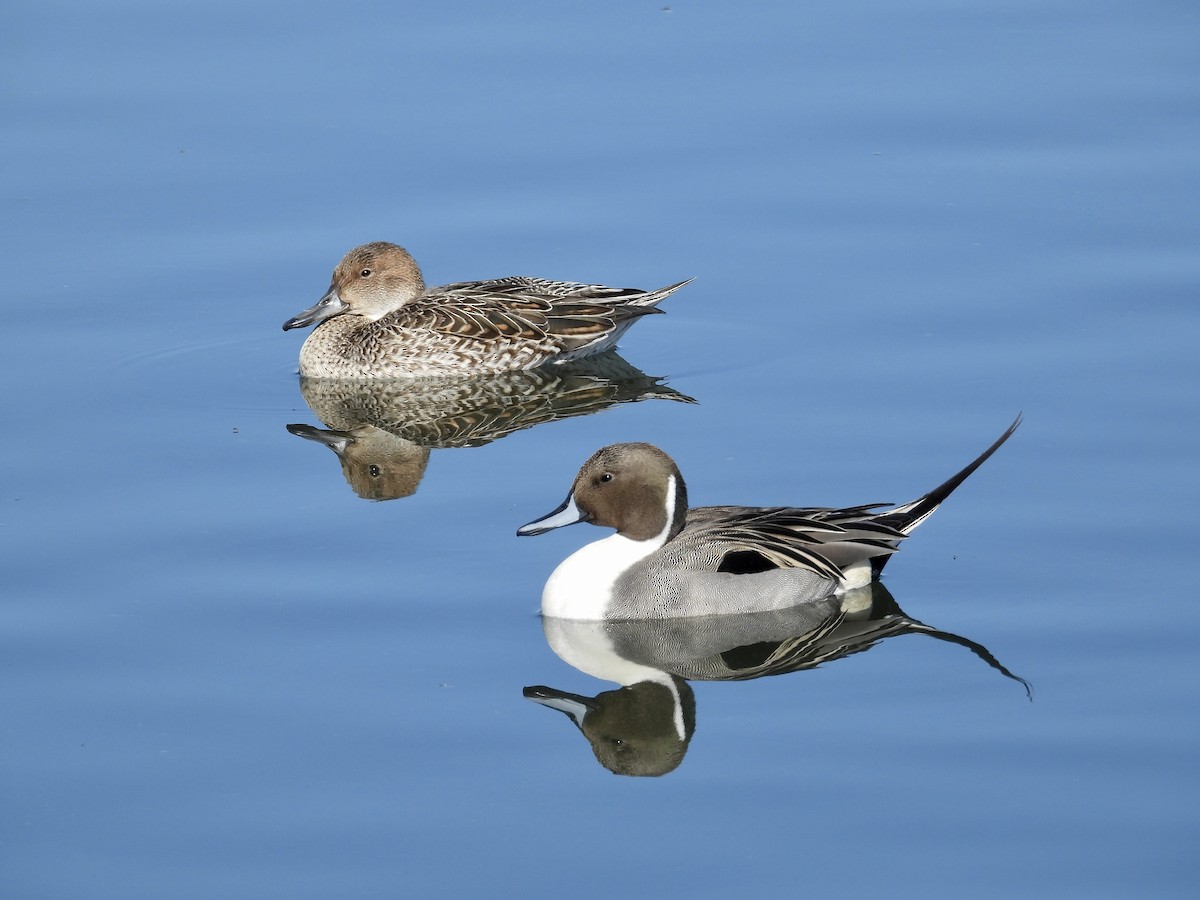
(378, 320)
(669, 561)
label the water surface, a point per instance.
(227, 674)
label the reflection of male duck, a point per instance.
(639, 729)
(383, 429)
(645, 726)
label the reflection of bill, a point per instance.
(644, 727)
(383, 429)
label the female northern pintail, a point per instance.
(378, 320)
(669, 561)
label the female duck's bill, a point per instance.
(327, 307)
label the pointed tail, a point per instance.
(910, 515)
(653, 298)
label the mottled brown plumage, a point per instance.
(378, 320)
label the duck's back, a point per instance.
(735, 559)
(470, 327)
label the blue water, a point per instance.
(227, 675)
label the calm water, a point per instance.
(227, 675)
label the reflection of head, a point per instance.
(376, 464)
(646, 727)
(383, 429)
(381, 466)
(642, 729)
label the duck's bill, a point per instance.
(329, 305)
(567, 514)
(334, 440)
(574, 705)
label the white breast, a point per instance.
(581, 586)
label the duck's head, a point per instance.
(634, 488)
(370, 281)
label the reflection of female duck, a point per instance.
(377, 464)
(382, 429)
(644, 727)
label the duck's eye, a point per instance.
(606, 477)
(365, 273)
(374, 470)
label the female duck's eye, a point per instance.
(606, 477)
(365, 273)
(374, 471)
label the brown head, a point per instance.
(370, 281)
(634, 488)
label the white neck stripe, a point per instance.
(581, 586)
(661, 537)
